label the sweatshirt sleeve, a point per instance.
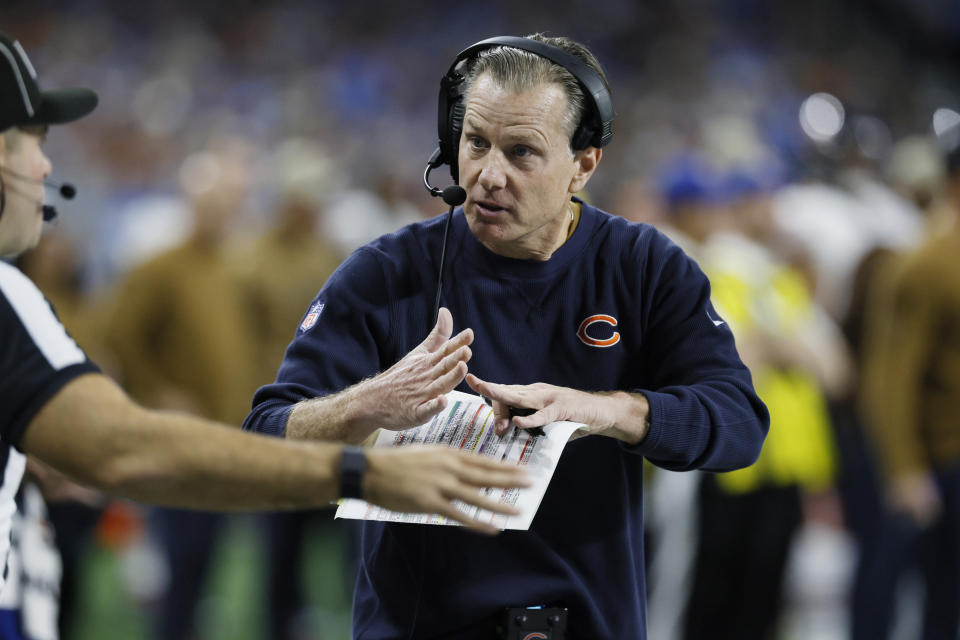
(335, 344)
(704, 411)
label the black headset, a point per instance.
(594, 130)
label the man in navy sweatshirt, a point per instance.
(576, 314)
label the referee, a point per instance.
(57, 406)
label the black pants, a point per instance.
(285, 535)
(74, 524)
(744, 542)
(897, 544)
(188, 539)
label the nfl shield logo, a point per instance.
(312, 315)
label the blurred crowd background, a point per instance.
(798, 150)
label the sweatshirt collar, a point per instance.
(473, 250)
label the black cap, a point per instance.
(21, 101)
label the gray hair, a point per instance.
(518, 70)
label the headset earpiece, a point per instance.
(581, 138)
(450, 115)
(457, 111)
(595, 129)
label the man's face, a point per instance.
(22, 219)
(518, 170)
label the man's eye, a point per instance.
(521, 151)
(477, 143)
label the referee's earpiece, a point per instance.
(594, 130)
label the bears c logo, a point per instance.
(598, 342)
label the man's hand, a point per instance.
(617, 414)
(427, 479)
(916, 496)
(58, 487)
(414, 389)
(406, 395)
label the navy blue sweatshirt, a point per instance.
(617, 307)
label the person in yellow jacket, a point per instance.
(747, 517)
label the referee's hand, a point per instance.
(427, 479)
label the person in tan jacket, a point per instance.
(912, 391)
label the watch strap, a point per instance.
(353, 463)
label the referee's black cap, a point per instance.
(22, 103)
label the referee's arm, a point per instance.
(171, 458)
(93, 431)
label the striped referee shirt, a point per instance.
(37, 358)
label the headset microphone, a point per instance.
(454, 195)
(67, 192)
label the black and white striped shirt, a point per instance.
(37, 358)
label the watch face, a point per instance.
(353, 463)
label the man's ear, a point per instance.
(586, 163)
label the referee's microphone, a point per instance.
(454, 195)
(66, 189)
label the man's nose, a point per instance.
(492, 174)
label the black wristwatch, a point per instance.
(352, 465)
